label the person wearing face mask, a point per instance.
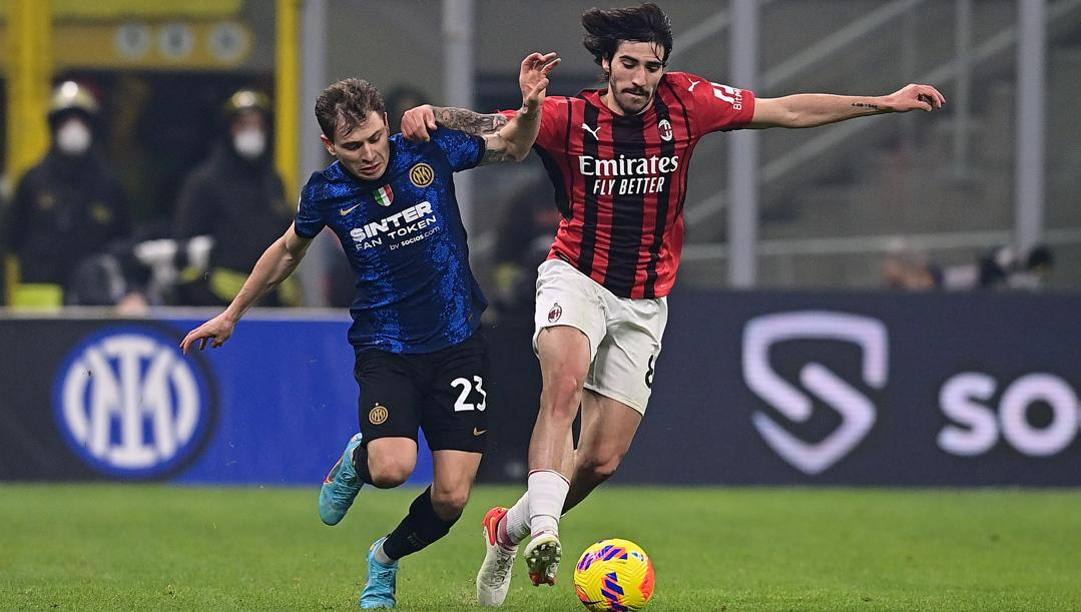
(67, 208)
(237, 199)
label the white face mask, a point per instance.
(73, 138)
(250, 143)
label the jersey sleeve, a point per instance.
(717, 106)
(553, 122)
(463, 151)
(309, 219)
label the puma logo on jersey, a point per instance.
(693, 84)
(592, 133)
(345, 211)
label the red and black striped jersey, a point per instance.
(620, 181)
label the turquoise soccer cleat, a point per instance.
(341, 486)
(382, 582)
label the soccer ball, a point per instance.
(614, 575)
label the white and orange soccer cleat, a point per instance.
(493, 579)
(542, 556)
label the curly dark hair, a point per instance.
(607, 28)
(348, 102)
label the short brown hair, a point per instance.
(348, 102)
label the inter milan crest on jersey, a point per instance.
(421, 175)
(665, 129)
(384, 196)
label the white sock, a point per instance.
(547, 492)
(381, 556)
(517, 520)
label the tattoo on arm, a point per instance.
(495, 150)
(468, 121)
(867, 106)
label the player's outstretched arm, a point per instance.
(274, 265)
(811, 110)
(417, 122)
(505, 139)
(514, 140)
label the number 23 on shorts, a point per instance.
(465, 388)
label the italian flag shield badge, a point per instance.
(384, 195)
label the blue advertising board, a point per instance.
(756, 387)
(275, 405)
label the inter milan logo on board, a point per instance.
(665, 130)
(130, 404)
(421, 175)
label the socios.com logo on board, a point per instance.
(130, 404)
(855, 410)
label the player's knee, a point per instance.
(600, 466)
(449, 503)
(389, 473)
(564, 389)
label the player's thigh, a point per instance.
(608, 429)
(390, 402)
(568, 299)
(563, 350)
(455, 415)
(627, 357)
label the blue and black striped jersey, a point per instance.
(405, 241)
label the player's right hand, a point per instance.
(417, 122)
(215, 331)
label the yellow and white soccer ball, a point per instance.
(614, 575)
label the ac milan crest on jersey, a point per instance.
(555, 313)
(384, 195)
(620, 181)
(664, 129)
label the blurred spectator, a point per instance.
(905, 268)
(399, 100)
(1000, 268)
(5, 250)
(523, 241)
(1036, 269)
(237, 199)
(67, 208)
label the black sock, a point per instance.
(419, 528)
(360, 464)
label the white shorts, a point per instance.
(624, 334)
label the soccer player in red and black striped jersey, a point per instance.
(618, 158)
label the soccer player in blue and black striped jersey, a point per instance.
(421, 362)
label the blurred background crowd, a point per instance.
(160, 181)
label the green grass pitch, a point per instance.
(95, 547)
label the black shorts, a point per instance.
(442, 392)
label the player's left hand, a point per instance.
(533, 78)
(417, 122)
(912, 97)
